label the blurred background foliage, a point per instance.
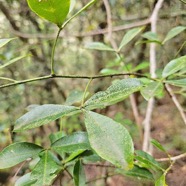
(35, 36)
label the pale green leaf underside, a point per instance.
(25, 180)
(174, 66)
(13, 61)
(151, 90)
(138, 172)
(98, 46)
(54, 11)
(115, 93)
(177, 82)
(44, 114)
(129, 36)
(151, 36)
(17, 153)
(45, 171)
(110, 140)
(174, 32)
(5, 41)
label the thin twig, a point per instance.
(99, 165)
(53, 52)
(71, 77)
(83, 34)
(79, 12)
(148, 117)
(7, 79)
(175, 158)
(100, 178)
(109, 23)
(176, 102)
(85, 92)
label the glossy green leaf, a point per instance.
(91, 158)
(73, 142)
(5, 41)
(110, 140)
(152, 89)
(25, 180)
(158, 145)
(54, 11)
(13, 61)
(98, 46)
(129, 36)
(45, 170)
(177, 82)
(147, 161)
(174, 32)
(151, 36)
(43, 114)
(174, 66)
(74, 155)
(161, 181)
(115, 93)
(56, 136)
(79, 174)
(138, 172)
(17, 153)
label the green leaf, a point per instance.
(56, 136)
(54, 11)
(106, 71)
(13, 61)
(74, 155)
(129, 36)
(177, 82)
(17, 153)
(98, 46)
(115, 93)
(141, 66)
(79, 174)
(25, 180)
(5, 41)
(73, 142)
(147, 161)
(43, 114)
(174, 66)
(46, 170)
(158, 145)
(138, 172)
(75, 97)
(110, 140)
(174, 32)
(152, 89)
(151, 36)
(92, 158)
(161, 181)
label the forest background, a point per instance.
(105, 22)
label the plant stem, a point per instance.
(72, 77)
(77, 13)
(84, 95)
(8, 79)
(61, 28)
(53, 52)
